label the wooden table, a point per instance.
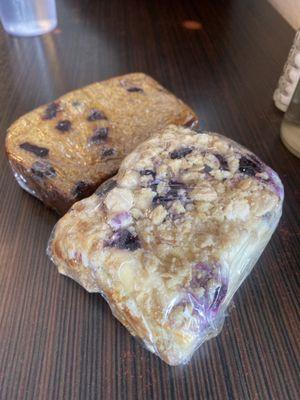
(59, 342)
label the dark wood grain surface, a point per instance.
(59, 342)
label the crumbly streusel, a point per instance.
(170, 238)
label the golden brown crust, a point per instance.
(83, 136)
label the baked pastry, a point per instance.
(61, 152)
(170, 238)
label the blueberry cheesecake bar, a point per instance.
(63, 151)
(170, 238)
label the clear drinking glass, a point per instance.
(290, 127)
(28, 17)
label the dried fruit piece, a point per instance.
(51, 110)
(43, 169)
(37, 150)
(180, 153)
(248, 166)
(80, 189)
(64, 125)
(147, 172)
(96, 115)
(153, 186)
(130, 86)
(133, 89)
(108, 152)
(100, 134)
(176, 188)
(177, 191)
(207, 169)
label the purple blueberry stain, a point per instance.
(51, 111)
(64, 125)
(43, 169)
(180, 153)
(275, 182)
(96, 115)
(37, 150)
(120, 220)
(201, 275)
(192, 310)
(267, 216)
(124, 240)
(213, 284)
(100, 134)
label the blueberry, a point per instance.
(43, 169)
(100, 134)
(51, 111)
(81, 188)
(133, 89)
(157, 200)
(64, 125)
(108, 152)
(37, 150)
(147, 172)
(207, 169)
(96, 115)
(175, 192)
(223, 162)
(175, 187)
(180, 153)
(106, 187)
(249, 167)
(153, 186)
(125, 240)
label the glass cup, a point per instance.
(28, 17)
(290, 127)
